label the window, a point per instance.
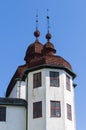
(2, 113)
(68, 82)
(69, 112)
(37, 109)
(54, 79)
(55, 109)
(37, 80)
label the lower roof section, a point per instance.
(13, 102)
(27, 70)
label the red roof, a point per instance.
(38, 54)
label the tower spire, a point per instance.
(37, 19)
(48, 26)
(48, 35)
(37, 33)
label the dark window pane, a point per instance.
(2, 113)
(54, 79)
(37, 80)
(67, 82)
(69, 112)
(37, 109)
(55, 109)
(53, 113)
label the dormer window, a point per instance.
(54, 79)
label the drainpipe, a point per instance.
(19, 85)
(27, 102)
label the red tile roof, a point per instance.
(38, 54)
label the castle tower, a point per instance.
(46, 83)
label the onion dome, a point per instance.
(34, 49)
(48, 48)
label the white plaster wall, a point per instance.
(19, 90)
(55, 94)
(23, 90)
(13, 93)
(15, 118)
(64, 96)
(69, 98)
(35, 95)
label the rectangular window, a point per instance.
(37, 80)
(55, 109)
(69, 112)
(2, 113)
(54, 79)
(68, 83)
(37, 109)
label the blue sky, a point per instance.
(68, 29)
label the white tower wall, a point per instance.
(35, 95)
(46, 93)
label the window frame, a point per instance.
(37, 109)
(54, 80)
(68, 85)
(37, 80)
(53, 109)
(69, 111)
(2, 114)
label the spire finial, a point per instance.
(37, 33)
(48, 35)
(48, 26)
(37, 19)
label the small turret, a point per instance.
(48, 48)
(34, 50)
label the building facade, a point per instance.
(40, 94)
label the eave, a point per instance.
(48, 66)
(12, 102)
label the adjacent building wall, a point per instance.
(19, 90)
(15, 118)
